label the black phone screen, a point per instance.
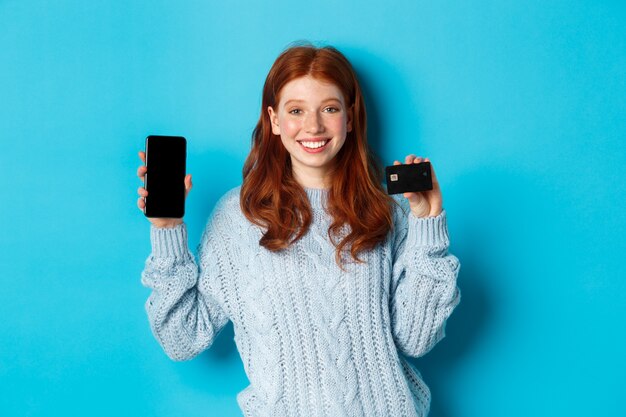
(165, 176)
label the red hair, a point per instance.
(270, 196)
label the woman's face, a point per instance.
(312, 121)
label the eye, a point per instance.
(295, 111)
(331, 109)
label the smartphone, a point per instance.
(409, 178)
(165, 176)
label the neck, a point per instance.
(316, 178)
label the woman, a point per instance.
(328, 280)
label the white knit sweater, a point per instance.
(314, 340)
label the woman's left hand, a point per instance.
(424, 203)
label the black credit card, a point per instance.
(407, 178)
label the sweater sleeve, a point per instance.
(183, 309)
(424, 288)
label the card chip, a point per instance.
(393, 177)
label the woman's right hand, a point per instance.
(157, 221)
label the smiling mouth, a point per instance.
(313, 144)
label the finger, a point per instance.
(142, 192)
(432, 171)
(412, 197)
(142, 156)
(397, 163)
(417, 160)
(188, 184)
(141, 171)
(409, 159)
(141, 204)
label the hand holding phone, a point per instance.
(167, 186)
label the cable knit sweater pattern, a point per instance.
(314, 340)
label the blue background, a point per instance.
(519, 105)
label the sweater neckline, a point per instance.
(317, 196)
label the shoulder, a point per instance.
(229, 201)
(226, 211)
(401, 208)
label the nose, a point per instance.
(313, 123)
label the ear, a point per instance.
(273, 120)
(350, 116)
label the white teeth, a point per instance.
(314, 145)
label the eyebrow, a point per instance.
(323, 101)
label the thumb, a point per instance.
(188, 184)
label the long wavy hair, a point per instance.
(272, 198)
